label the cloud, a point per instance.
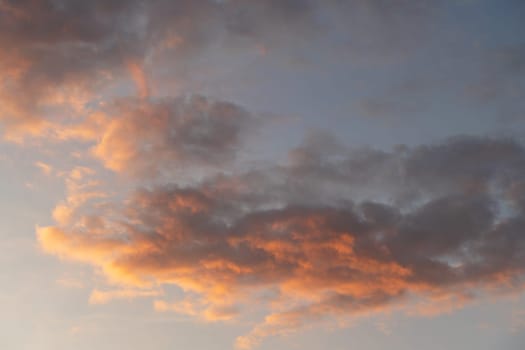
(104, 296)
(152, 137)
(66, 56)
(57, 53)
(158, 137)
(332, 233)
(45, 168)
(81, 188)
(140, 79)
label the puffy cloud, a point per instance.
(152, 137)
(158, 137)
(81, 189)
(333, 233)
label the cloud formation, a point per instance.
(57, 53)
(61, 57)
(148, 137)
(331, 233)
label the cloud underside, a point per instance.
(331, 233)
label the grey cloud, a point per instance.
(450, 238)
(54, 45)
(332, 231)
(57, 46)
(155, 137)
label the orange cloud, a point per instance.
(140, 79)
(150, 137)
(82, 248)
(45, 168)
(332, 232)
(306, 253)
(50, 69)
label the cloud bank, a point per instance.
(330, 233)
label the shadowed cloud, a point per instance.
(148, 137)
(443, 222)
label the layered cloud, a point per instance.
(331, 233)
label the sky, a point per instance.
(262, 174)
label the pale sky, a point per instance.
(262, 174)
